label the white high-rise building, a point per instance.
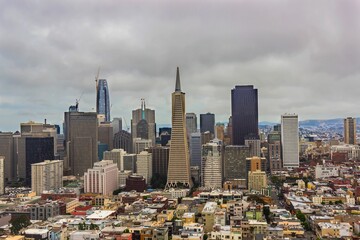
(211, 167)
(2, 175)
(290, 140)
(144, 165)
(117, 155)
(141, 144)
(102, 178)
(46, 175)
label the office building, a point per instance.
(165, 138)
(105, 135)
(81, 141)
(102, 178)
(179, 164)
(46, 175)
(32, 150)
(254, 145)
(123, 140)
(117, 156)
(160, 160)
(195, 149)
(144, 165)
(257, 180)
(274, 156)
(290, 140)
(191, 123)
(116, 125)
(244, 112)
(141, 144)
(235, 162)
(8, 151)
(350, 130)
(206, 137)
(143, 123)
(122, 176)
(103, 99)
(130, 162)
(2, 175)
(207, 123)
(40, 130)
(228, 139)
(255, 163)
(211, 165)
(220, 131)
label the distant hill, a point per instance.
(315, 123)
(265, 123)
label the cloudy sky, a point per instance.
(303, 56)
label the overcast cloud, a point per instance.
(303, 56)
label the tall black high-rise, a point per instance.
(244, 110)
(207, 122)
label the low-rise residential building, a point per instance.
(334, 230)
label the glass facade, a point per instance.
(244, 110)
(103, 99)
(37, 150)
(207, 122)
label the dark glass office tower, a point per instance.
(103, 99)
(244, 110)
(33, 150)
(207, 122)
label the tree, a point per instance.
(94, 226)
(158, 181)
(205, 236)
(306, 226)
(331, 203)
(300, 216)
(19, 223)
(266, 212)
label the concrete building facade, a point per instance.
(46, 175)
(144, 165)
(211, 165)
(290, 140)
(102, 178)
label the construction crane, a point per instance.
(127, 127)
(97, 77)
(78, 100)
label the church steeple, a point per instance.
(177, 85)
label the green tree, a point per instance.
(19, 223)
(331, 203)
(300, 216)
(306, 226)
(205, 236)
(266, 212)
(158, 181)
(94, 226)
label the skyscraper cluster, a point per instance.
(182, 155)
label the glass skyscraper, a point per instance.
(103, 99)
(244, 110)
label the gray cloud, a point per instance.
(303, 56)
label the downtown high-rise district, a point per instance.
(209, 155)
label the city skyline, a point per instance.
(50, 53)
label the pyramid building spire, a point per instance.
(177, 85)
